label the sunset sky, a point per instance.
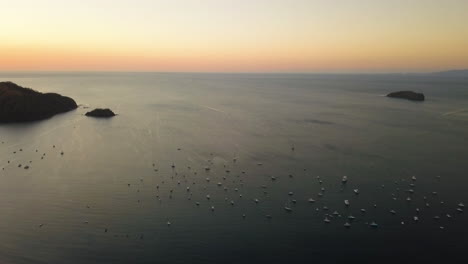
(234, 35)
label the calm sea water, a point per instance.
(103, 200)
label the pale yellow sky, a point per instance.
(234, 35)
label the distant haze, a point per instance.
(234, 35)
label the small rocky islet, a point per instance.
(101, 112)
(409, 95)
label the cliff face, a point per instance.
(19, 104)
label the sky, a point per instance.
(234, 35)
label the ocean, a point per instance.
(268, 150)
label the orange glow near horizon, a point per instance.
(234, 36)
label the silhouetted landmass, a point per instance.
(99, 112)
(19, 104)
(453, 73)
(407, 95)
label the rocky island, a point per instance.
(410, 95)
(99, 112)
(19, 104)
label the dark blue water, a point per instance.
(262, 136)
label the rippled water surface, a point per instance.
(110, 196)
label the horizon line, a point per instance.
(241, 72)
